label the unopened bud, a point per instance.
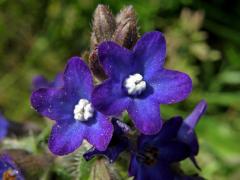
(93, 41)
(95, 65)
(126, 33)
(103, 24)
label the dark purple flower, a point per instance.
(138, 82)
(71, 108)
(156, 153)
(118, 144)
(41, 82)
(8, 169)
(3, 127)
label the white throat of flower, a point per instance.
(83, 111)
(135, 84)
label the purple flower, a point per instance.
(138, 82)
(3, 127)
(8, 169)
(41, 82)
(118, 144)
(71, 108)
(155, 154)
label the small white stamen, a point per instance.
(135, 84)
(83, 110)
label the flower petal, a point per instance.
(3, 127)
(116, 60)
(169, 131)
(111, 153)
(66, 137)
(145, 114)
(58, 81)
(78, 79)
(150, 52)
(174, 151)
(133, 167)
(196, 114)
(170, 86)
(118, 143)
(161, 171)
(186, 132)
(109, 98)
(99, 131)
(41, 82)
(140, 171)
(53, 103)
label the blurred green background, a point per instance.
(37, 37)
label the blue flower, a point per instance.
(3, 127)
(118, 143)
(71, 108)
(8, 169)
(138, 82)
(155, 154)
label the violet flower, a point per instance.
(155, 154)
(3, 127)
(71, 108)
(41, 82)
(118, 144)
(8, 169)
(138, 82)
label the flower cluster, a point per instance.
(137, 82)
(176, 141)
(86, 102)
(154, 155)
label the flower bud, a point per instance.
(103, 24)
(95, 66)
(126, 33)
(93, 41)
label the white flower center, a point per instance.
(135, 84)
(83, 110)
